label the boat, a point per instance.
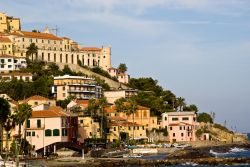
(132, 155)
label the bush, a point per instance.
(223, 128)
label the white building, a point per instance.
(11, 63)
(76, 86)
(113, 95)
(16, 75)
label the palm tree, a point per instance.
(32, 49)
(132, 109)
(4, 114)
(9, 124)
(120, 107)
(180, 103)
(22, 114)
(102, 104)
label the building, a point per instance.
(141, 116)
(181, 126)
(11, 63)
(27, 77)
(81, 104)
(118, 125)
(50, 126)
(38, 100)
(9, 23)
(6, 45)
(113, 95)
(77, 86)
(122, 77)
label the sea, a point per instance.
(234, 152)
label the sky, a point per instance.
(198, 49)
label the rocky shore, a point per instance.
(199, 155)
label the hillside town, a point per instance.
(80, 113)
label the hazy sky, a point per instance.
(199, 49)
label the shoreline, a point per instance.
(197, 155)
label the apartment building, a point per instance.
(181, 126)
(11, 63)
(113, 95)
(27, 77)
(9, 23)
(77, 86)
(6, 45)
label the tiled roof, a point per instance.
(48, 114)
(36, 97)
(15, 74)
(38, 35)
(5, 39)
(90, 49)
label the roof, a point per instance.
(91, 49)
(15, 74)
(179, 123)
(39, 35)
(112, 108)
(5, 39)
(82, 102)
(48, 114)
(179, 113)
(36, 97)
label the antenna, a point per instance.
(56, 29)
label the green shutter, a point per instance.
(33, 133)
(28, 124)
(38, 123)
(56, 132)
(47, 132)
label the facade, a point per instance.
(46, 127)
(9, 23)
(181, 126)
(77, 86)
(27, 77)
(38, 100)
(117, 125)
(122, 77)
(141, 116)
(11, 63)
(113, 95)
(6, 46)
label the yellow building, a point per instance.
(6, 46)
(9, 23)
(141, 116)
(117, 125)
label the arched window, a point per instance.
(165, 118)
(47, 132)
(56, 132)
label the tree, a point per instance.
(9, 124)
(180, 103)
(132, 108)
(122, 68)
(32, 49)
(204, 117)
(22, 114)
(191, 107)
(102, 104)
(4, 114)
(120, 107)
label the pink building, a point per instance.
(113, 72)
(181, 126)
(123, 78)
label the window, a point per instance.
(28, 124)
(182, 134)
(175, 119)
(56, 132)
(180, 127)
(33, 133)
(9, 66)
(28, 133)
(42, 56)
(185, 118)
(114, 128)
(9, 60)
(194, 119)
(2, 66)
(173, 134)
(142, 127)
(54, 57)
(166, 118)
(48, 56)
(129, 128)
(81, 121)
(64, 132)
(66, 57)
(60, 58)
(27, 78)
(64, 94)
(38, 123)
(47, 132)
(2, 60)
(36, 103)
(72, 59)
(171, 128)
(90, 133)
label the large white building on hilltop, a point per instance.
(51, 48)
(76, 86)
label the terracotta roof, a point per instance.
(37, 35)
(66, 38)
(90, 49)
(36, 97)
(56, 108)
(112, 109)
(15, 74)
(179, 123)
(7, 56)
(124, 123)
(5, 39)
(48, 114)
